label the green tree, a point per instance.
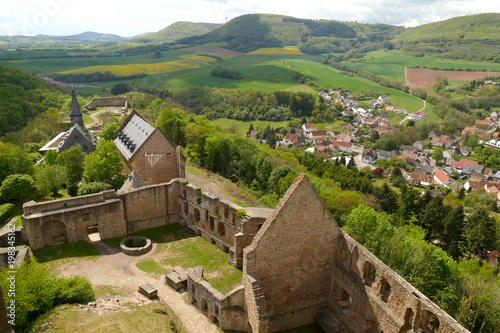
(431, 218)
(453, 231)
(17, 187)
(50, 178)
(104, 165)
(277, 176)
(109, 130)
(13, 160)
(72, 159)
(438, 154)
(481, 233)
(387, 198)
(408, 206)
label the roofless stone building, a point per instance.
(298, 266)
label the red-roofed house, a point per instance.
(458, 166)
(318, 135)
(421, 178)
(484, 123)
(346, 137)
(385, 129)
(440, 177)
(308, 128)
(346, 147)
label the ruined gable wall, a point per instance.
(291, 259)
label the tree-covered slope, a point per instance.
(23, 97)
(249, 32)
(177, 31)
(474, 37)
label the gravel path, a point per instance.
(117, 269)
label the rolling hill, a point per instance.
(473, 37)
(249, 32)
(176, 31)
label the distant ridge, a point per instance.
(86, 36)
(475, 37)
(175, 31)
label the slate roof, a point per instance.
(75, 109)
(132, 135)
(78, 134)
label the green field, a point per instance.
(243, 126)
(392, 66)
(331, 78)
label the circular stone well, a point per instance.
(135, 245)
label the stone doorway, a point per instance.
(93, 233)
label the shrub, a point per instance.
(6, 211)
(93, 187)
(241, 213)
(76, 289)
(17, 187)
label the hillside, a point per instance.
(87, 36)
(23, 97)
(473, 37)
(249, 32)
(176, 31)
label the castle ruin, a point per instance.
(298, 266)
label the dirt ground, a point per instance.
(116, 269)
(423, 77)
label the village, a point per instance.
(454, 169)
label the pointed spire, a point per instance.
(75, 109)
(75, 115)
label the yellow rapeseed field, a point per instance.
(277, 50)
(188, 61)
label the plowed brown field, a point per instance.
(423, 77)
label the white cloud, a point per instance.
(65, 17)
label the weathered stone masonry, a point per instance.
(298, 265)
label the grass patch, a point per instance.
(157, 235)
(151, 266)
(277, 51)
(101, 291)
(243, 126)
(196, 251)
(329, 77)
(81, 250)
(156, 316)
(392, 66)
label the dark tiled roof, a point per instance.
(133, 135)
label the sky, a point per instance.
(131, 18)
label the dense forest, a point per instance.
(248, 104)
(22, 98)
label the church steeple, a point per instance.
(75, 115)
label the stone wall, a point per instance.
(368, 296)
(69, 220)
(225, 311)
(151, 206)
(218, 222)
(108, 101)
